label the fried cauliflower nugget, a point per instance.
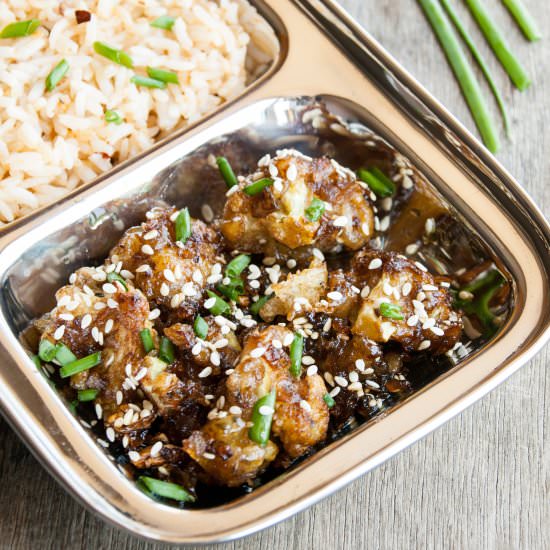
(311, 202)
(418, 311)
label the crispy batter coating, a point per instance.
(172, 275)
(424, 303)
(224, 450)
(276, 219)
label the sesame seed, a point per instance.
(155, 449)
(288, 339)
(341, 381)
(72, 278)
(425, 344)
(110, 433)
(291, 264)
(429, 288)
(169, 275)
(353, 376)
(176, 300)
(334, 392)
(253, 272)
(429, 323)
(355, 386)
(411, 249)
(164, 289)
(311, 370)
(204, 373)
(465, 295)
(291, 172)
(360, 364)
(375, 264)
(99, 276)
(154, 314)
(412, 320)
(365, 292)
(133, 456)
(372, 384)
(128, 416)
(150, 235)
(235, 410)
(59, 331)
(143, 268)
(421, 266)
(215, 358)
(445, 284)
(406, 290)
(254, 284)
(277, 344)
(329, 378)
(266, 410)
(318, 254)
(196, 349)
(305, 405)
(95, 334)
(109, 326)
(384, 223)
(147, 249)
(269, 260)
(365, 228)
(86, 321)
(207, 213)
(209, 456)
(142, 372)
(109, 288)
(437, 331)
(308, 360)
(340, 221)
(335, 296)
(118, 397)
(197, 276)
(98, 411)
(429, 226)
(257, 352)
(88, 290)
(327, 325)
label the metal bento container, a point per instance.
(325, 58)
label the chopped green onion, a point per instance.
(480, 61)
(296, 350)
(162, 75)
(117, 56)
(73, 405)
(226, 171)
(232, 291)
(524, 19)
(256, 307)
(87, 395)
(46, 350)
(498, 44)
(315, 210)
(36, 361)
(165, 22)
(147, 340)
(484, 288)
(64, 355)
(237, 265)
(258, 186)
(183, 225)
(391, 311)
(329, 400)
(261, 423)
(147, 82)
(463, 72)
(59, 71)
(220, 306)
(80, 365)
(113, 276)
(20, 28)
(200, 326)
(166, 489)
(113, 116)
(378, 182)
(167, 352)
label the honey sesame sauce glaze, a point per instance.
(303, 286)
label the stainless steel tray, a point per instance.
(325, 55)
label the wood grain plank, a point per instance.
(483, 480)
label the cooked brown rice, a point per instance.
(50, 142)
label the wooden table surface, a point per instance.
(482, 481)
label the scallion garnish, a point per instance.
(200, 326)
(315, 210)
(64, 355)
(147, 82)
(378, 182)
(262, 416)
(80, 365)
(463, 72)
(147, 340)
(391, 311)
(20, 28)
(36, 361)
(87, 395)
(165, 22)
(58, 72)
(113, 116)
(258, 186)
(183, 225)
(46, 350)
(113, 276)
(237, 265)
(163, 75)
(480, 61)
(167, 352)
(117, 56)
(220, 306)
(226, 171)
(256, 307)
(329, 400)
(232, 291)
(296, 350)
(524, 19)
(498, 44)
(166, 489)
